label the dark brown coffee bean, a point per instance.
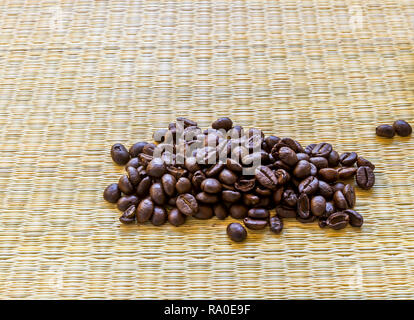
(211, 185)
(204, 212)
(156, 168)
(338, 186)
(177, 173)
(176, 218)
(183, 185)
(349, 193)
(365, 178)
(134, 162)
(159, 216)
(112, 193)
(149, 149)
(205, 197)
(286, 212)
(340, 200)
(258, 213)
(319, 162)
(222, 123)
(133, 175)
(266, 177)
(302, 169)
(198, 178)
(385, 130)
(230, 196)
(313, 170)
(191, 164)
(328, 174)
(337, 220)
(187, 204)
(128, 216)
(168, 184)
(309, 148)
(362, 162)
(245, 185)
(279, 164)
(215, 169)
(236, 232)
(303, 206)
(276, 224)
(233, 165)
(309, 186)
(278, 194)
(145, 159)
(288, 142)
(125, 185)
(220, 211)
(254, 224)
(238, 211)
(127, 201)
(270, 142)
(250, 199)
(322, 150)
(119, 154)
(157, 194)
(355, 219)
(187, 122)
(348, 159)
(402, 128)
(330, 208)
(346, 172)
(325, 190)
(144, 210)
(282, 177)
(303, 156)
(290, 198)
(143, 187)
(318, 206)
(333, 159)
(136, 149)
(288, 156)
(227, 177)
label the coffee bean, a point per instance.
(278, 194)
(233, 165)
(285, 211)
(337, 220)
(236, 232)
(125, 185)
(238, 211)
(245, 185)
(303, 206)
(309, 148)
(144, 210)
(346, 172)
(270, 142)
(205, 197)
(133, 175)
(329, 209)
(156, 168)
(136, 149)
(149, 149)
(338, 186)
(177, 173)
(303, 156)
(157, 194)
(313, 170)
(279, 164)
(266, 177)
(112, 193)
(349, 193)
(318, 205)
(230, 196)
(290, 198)
(348, 159)
(282, 177)
(264, 192)
(276, 224)
(143, 187)
(319, 162)
(340, 200)
(355, 219)
(288, 156)
(134, 162)
(215, 169)
(220, 211)
(333, 159)
(176, 218)
(365, 178)
(250, 199)
(302, 169)
(125, 202)
(385, 130)
(145, 159)
(191, 164)
(258, 213)
(168, 184)
(362, 162)
(187, 122)
(228, 177)
(211, 185)
(322, 150)
(159, 216)
(309, 186)
(172, 201)
(119, 154)
(325, 190)
(222, 123)
(254, 224)
(183, 185)
(198, 178)
(328, 174)
(204, 212)
(187, 204)
(402, 128)
(128, 216)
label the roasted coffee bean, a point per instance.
(136, 149)
(112, 193)
(156, 168)
(250, 199)
(309, 148)
(149, 149)
(258, 213)
(144, 210)
(346, 172)
(278, 194)
(133, 175)
(143, 187)
(205, 197)
(349, 193)
(236, 232)
(125, 185)
(222, 123)
(119, 154)
(285, 211)
(309, 219)
(172, 201)
(187, 204)
(328, 174)
(402, 128)
(191, 164)
(302, 169)
(303, 206)
(270, 142)
(365, 178)
(198, 178)
(245, 185)
(183, 185)
(309, 186)
(211, 185)
(282, 177)
(302, 156)
(322, 150)
(264, 192)
(288, 156)
(319, 162)
(227, 177)
(134, 162)
(325, 190)
(279, 164)
(266, 177)
(176, 218)
(159, 216)
(168, 184)
(220, 211)
(145, 159)
(338, 186)
(288, 142)
(238, 211)
(355, 219)
(290, 198)
(187, 122)
(385, 130)
(125, 202)
(215, 170)
(233, 165)
(329, 209)
(348, 159)
(157, 194)
(313, 170)
(254, 224)
(230, 196)
(340, 200)
(204, 212)
(176, 172)
(318, 206)
(276, 224)
(337, 220)
(128, 216)
(333, 159)
(362, 162)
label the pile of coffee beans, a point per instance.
(229, 171)
(400, 127)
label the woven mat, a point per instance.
(78, 76)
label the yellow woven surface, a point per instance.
(77, 76)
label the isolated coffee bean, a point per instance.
(112, 193)
(222, 123)
(159, 216)
(340, 200)
(302, 169)
(266, 177)
(136, 149)
(288, 156)
(303, 206)
(236, 232)
(187, 204)
(333, 159)
(205, 197)
(238, 211)
(254, 224)
(337, 220)
(285, 211)
(355, 219)
(230, 196)
(289, 197)
(328, 174)
(227, 177)
(119, 154)
(258, 213)
(325, 190)
(168, 184)
(156, 168)
(204, 212)
(157, 194)
(276, 224)
(176, 218)
(349, 193)
(346, 172)
(183, 185)
(143, 187)
(319, 162)
(365, 178)
(318, 205)
(402, 128)
(362, 162)
(125, 202)
(211, 185)
(220, 211)
(322, 150)
(309, 186)
(144, 210)
(348, 159)
(125, 185)
(385, 130)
